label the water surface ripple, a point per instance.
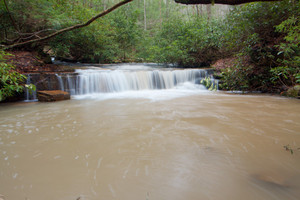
(201, 145)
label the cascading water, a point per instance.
(91, 81)
(119, 79)
(61, 84)
(29, 96)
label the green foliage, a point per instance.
(209, 83)
(236, 77)
(92, 44)
(288, 70)
(265, 38)
(297, 78)
(194, 42)
(29, 16)
(119, 36)
(253, 23)
(11, 82)
(106, 40)
(126, 31)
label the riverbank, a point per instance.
(240, 74)
(30, 62)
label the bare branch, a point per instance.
(38, 32)
(77, 26)
(31, 35)
(228, 2)
(12, 40)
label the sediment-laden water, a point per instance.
(179, 143)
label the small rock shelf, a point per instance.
(52, 95)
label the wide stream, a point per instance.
(182, 143)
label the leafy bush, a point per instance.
(194, 42)
(288, 70)
(127, 34)
(92, 44)
(236, 77)
(265, 38)
(11, 82)
(107, 40)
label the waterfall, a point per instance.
(92, 81)
(60, 81)
(121, 79)
(71, 85)
(28, 96)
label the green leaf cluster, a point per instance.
(11, 82)
(107, 40)
(194, 42)
(288, 70)
(264, 37)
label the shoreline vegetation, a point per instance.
(251, 47)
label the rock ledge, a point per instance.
(52, 95)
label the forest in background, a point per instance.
(253, 46)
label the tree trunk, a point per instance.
(145, 16)
(167, 8)
(160, 17)
(198, 12)
(208, 10)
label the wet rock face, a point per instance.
(52, 95)
(44, 81)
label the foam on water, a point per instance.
(182, 90)
(134, 81)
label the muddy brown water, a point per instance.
(209, 146)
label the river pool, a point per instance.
(183, 144)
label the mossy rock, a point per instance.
(209, 83)
(294, 91)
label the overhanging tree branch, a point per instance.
(77, 26)
(228, 2)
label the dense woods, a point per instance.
(260, 40)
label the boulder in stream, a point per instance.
(52, 95)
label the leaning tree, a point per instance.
(39, 37)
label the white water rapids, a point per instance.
(101, 83)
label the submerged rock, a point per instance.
(52, 95)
